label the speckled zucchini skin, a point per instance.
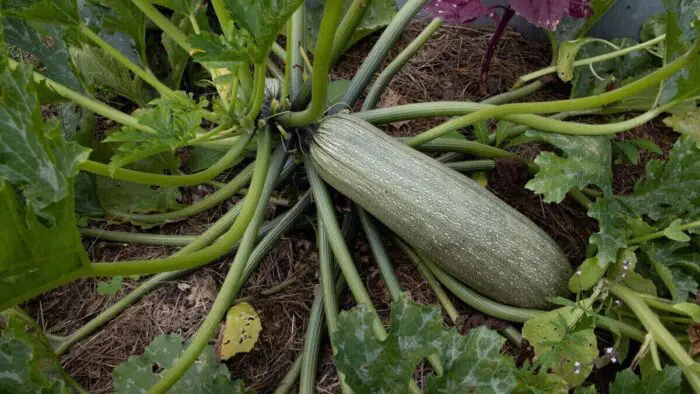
(468, 231)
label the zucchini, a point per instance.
(465, 229)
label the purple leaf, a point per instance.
(543, 13)
(580, 8)
(456, 11)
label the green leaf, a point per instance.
(587, 275)
(587, 161)
(100, 69)
(564, 342)
(481, 132)
(681, 33)
(371, 365)
(613, 232)
(473, 363)
(263, 19)
(202, 158)
(676, 266)
(670, 190)
(336, 91)
(667, 381)
(614, 73)
(538, 383)
(654, 26)
(175, 126)
(644, 143)
(687, 124)
(628, 151)
(110, 288)
(34, 157)
(117, 196)
(567, 56)
(138, 374)
(119, 16)
(674, 232)
(48, 11)
(27, 360)
(177, 57)
(377, 15)
(692, 310)
(211, 47)
(49, 48)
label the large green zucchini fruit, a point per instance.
(465, 229)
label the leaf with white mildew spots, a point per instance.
(206, 375)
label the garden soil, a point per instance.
(447, 68)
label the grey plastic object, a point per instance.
(624, 19)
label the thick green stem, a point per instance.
(322, 62)
(138, 238)
(541, 123)
(296, 38)
(593, 60)
(430, 278)
(225, 20)
(258, 92)
(164, 24)
(233, 154)
(232, 282)
(231, 188)
(648, 81)
(660, 334)
(125, 61)
(272, 231)
(385, 42)
(515, 94)
(472, 165)
(515, 314)
(274, 70)
(380, 254)
(661, 234)
(290, 378)
(312, 343)
(347, 27)
(213, 252)
(397, 64)
(340, 249)
(329, 290)
(86, 102)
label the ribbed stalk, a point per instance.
(397, 64)
(660, 334)
(322, 62)
(340, 249)
(472, 165)
(86, 102)
(145, 178)
(599, 100)
(380, 254)
(385, 42)
(216, 198)
(213, 252)
(232, 282)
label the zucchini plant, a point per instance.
(239, 94)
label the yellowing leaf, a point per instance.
(240, 332)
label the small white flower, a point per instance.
(609, 350)
(579, 272)
(578, 371)
(618, 302)
(577, 364)
(614, 360)
(623, 275)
